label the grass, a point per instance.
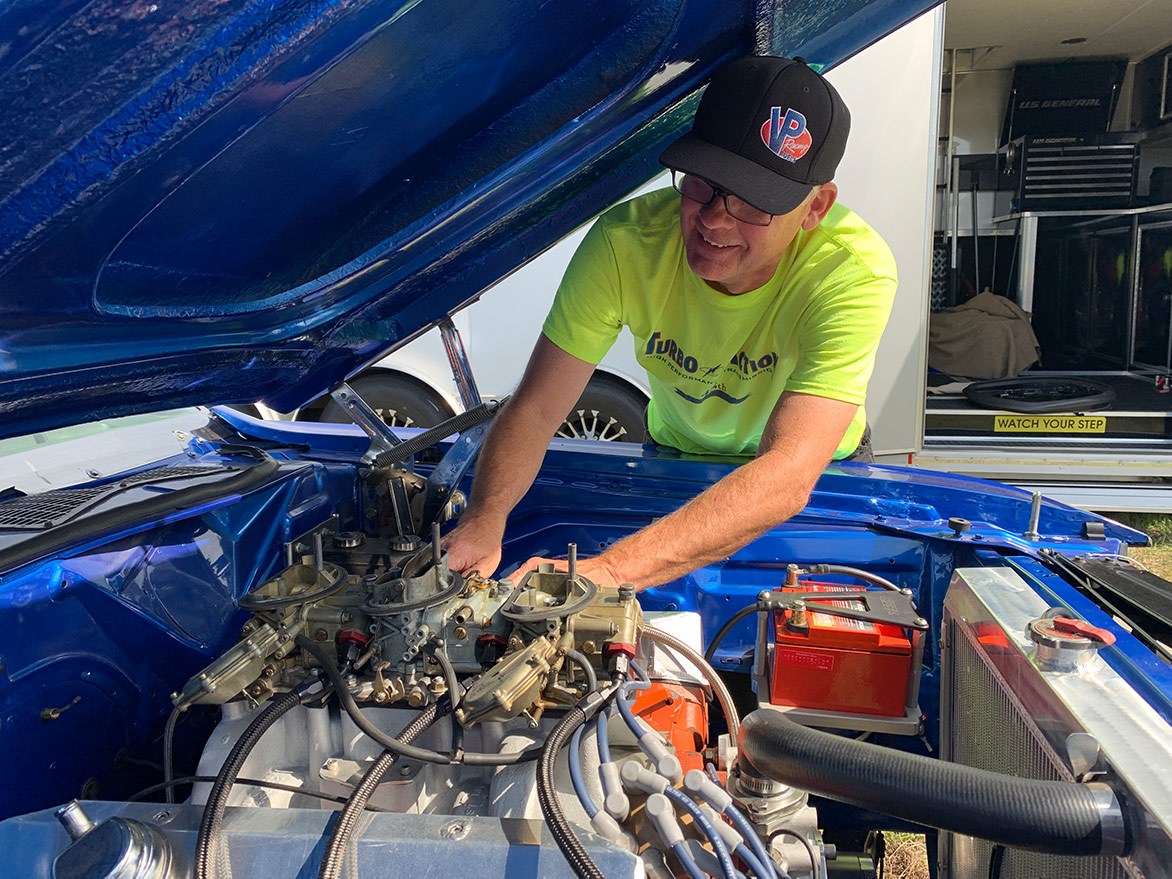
(907, 856)
(1157, 555)
(1157, 559)
(1157, 526)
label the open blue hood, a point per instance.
(212, 202)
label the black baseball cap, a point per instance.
(768, 130)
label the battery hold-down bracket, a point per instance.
(893, 608)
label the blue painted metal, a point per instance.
(213, 202)
(105, 637)
(108, 627)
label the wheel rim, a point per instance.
(392, 418)
(590, 424)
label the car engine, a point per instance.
(371, 675)
(402, 633)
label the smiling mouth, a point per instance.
(712, 243)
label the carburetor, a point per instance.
(551, 612)
(412, 628)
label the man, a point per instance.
(756, 304)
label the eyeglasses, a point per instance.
(700, 190)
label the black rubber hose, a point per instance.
(579, 659)
(440, 655)
(423, 755)
(858, 573)
(208, 841)
(247, 782)
(1056, 817)
(331, 864)
(727, 627)
(551, 809)
(455, 694)
(169, 752)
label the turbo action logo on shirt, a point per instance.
(687, 366)
(786, 138)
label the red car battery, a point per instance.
(833, 663)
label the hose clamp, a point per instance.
(766, 801)
(1116, 840)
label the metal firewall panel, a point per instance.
(92, 642)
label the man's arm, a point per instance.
(800, 438)
(513, 452)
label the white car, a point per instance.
(414, 386)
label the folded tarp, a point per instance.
(987, 337)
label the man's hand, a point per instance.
(597, 570)
(512, 454)
(474, 545)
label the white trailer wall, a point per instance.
(888, 177)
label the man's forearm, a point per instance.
(797, 444)
(507, 465)
(736, 510)
(513, 453)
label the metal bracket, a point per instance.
(448, 472)
(458, 360)
(382, 438)
(894, 608)
(400, 505)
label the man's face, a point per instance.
(732, 256)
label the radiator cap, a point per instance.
(1066, 644)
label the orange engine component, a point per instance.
(839, 664)
(680, 712)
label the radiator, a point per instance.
(1000, 712)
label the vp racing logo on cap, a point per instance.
(786, 137)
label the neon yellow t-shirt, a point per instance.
(716, 363)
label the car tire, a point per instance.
(1041, 395)
(608, 411)
(398, 400)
